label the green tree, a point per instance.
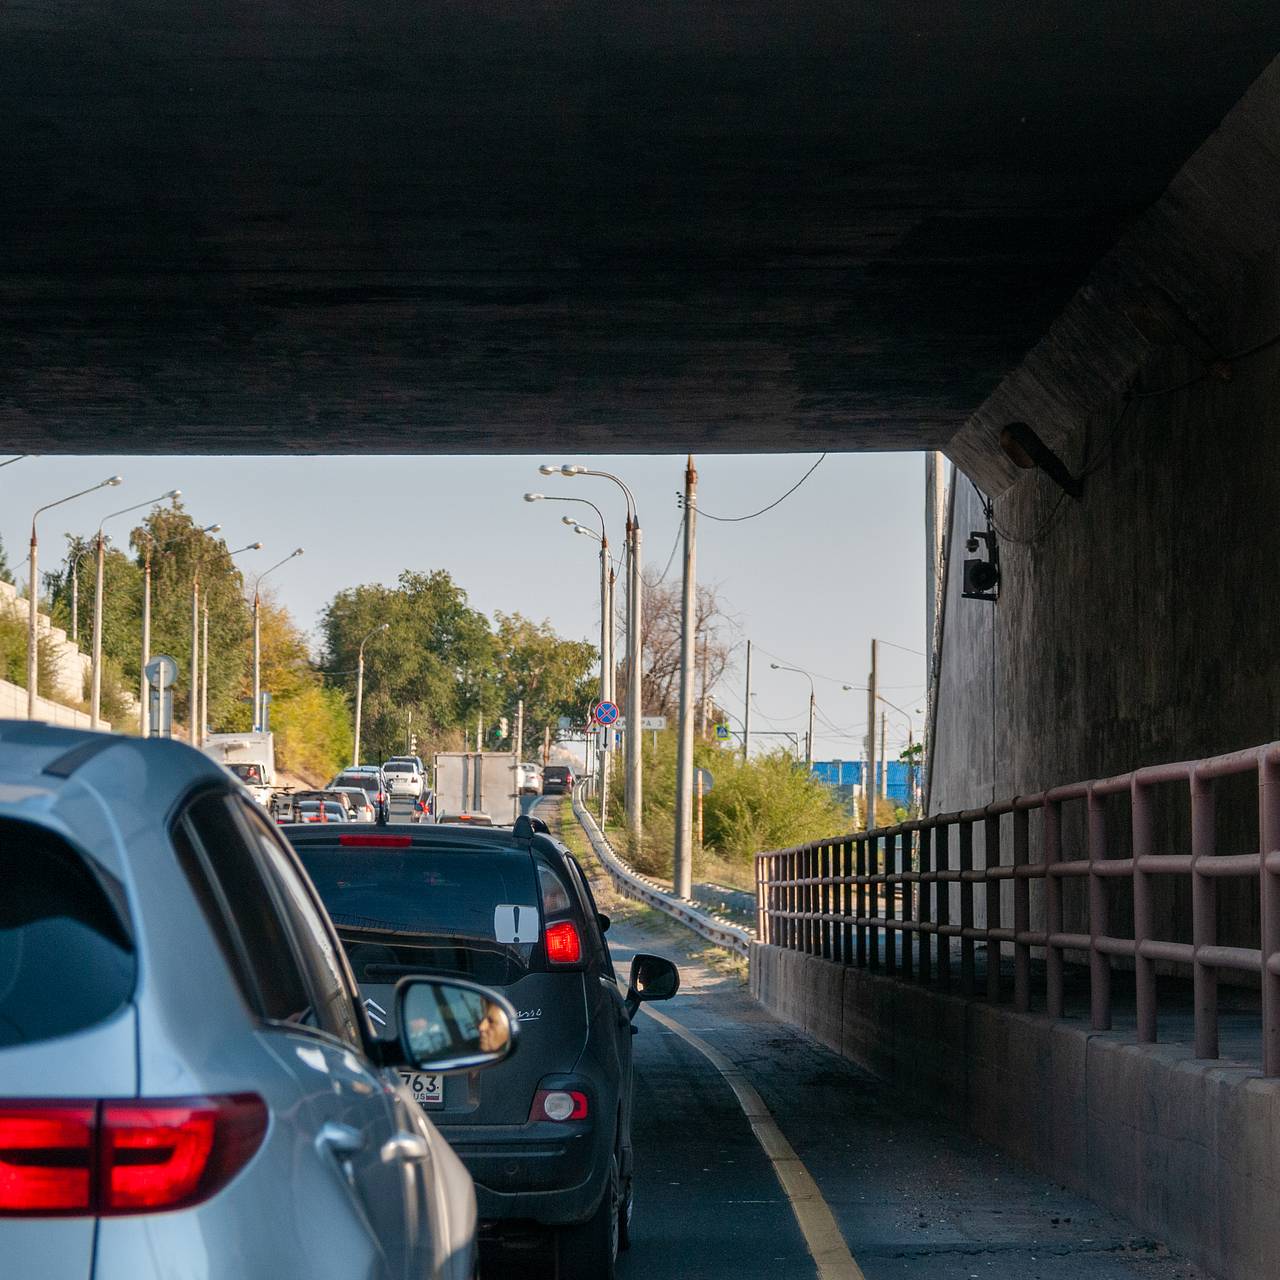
(432, 667)
(6, 574)
(552, 675)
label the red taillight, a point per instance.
(563, 944)
(46, 1150)
(559, 1105)
(377, 842)
(124, 1157)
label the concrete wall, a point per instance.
(13, 706)
(70, 666)
(1187, 1150)
(1136, 626)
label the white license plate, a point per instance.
(427, 1089)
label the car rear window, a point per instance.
(555, 773)
(66, 960)
(471, 912)
(365, 781)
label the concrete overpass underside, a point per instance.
(490, 227)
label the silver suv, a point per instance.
(188, 1078)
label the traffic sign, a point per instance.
(703, 781)
(722, 733)
(161, 671)
(653, 724)
(605, 712)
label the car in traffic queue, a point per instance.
(530, 779)
(425, 806)
(404, 779)
(557, 780)
(320, 811)
(363, 809)
(547, 1136)
(370, 780)
(189, 1083)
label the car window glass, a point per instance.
(335, 1008)
(65, 960)
(593, 925)
(403, 911)
(279, 989)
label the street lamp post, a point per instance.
(204, 660)
(75, 594)
(257, 640)
(95, 698)
(808, 746)
(33, 653)
(194, 733)
(355, 750)
(635, 586)
(606, 650)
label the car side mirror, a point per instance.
(603, 921)
(652, 978)
(447, 1024)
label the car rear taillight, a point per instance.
(563, 944)
(123, 1157)
(377, 842)
(558, 1105)
(46, 1151)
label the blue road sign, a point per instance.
(605, 712)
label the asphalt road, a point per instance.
(913, 1198)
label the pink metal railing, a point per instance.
(840, 898)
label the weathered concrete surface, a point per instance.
(1134, 627)
(1186, 1149)
(781, 224)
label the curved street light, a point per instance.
(808, 746)
(204, 659)
(355, 749)
(99, 548)
(33, 652)
(635, 587)
(257, 640)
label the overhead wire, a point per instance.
(752, 515)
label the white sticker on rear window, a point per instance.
(515, 923)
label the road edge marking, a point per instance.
(822, 1235)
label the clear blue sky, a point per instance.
(810, 582)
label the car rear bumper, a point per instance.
(548, 1173)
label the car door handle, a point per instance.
(405, 1146)
(341, 1139)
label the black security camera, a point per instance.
(982, 576)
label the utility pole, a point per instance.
(144, 726)
(884, 759)
(479, 734)
(204, 675)
(516, 752)
(746, 712)
(871, 788)
(193, 701)
(635, 662)
(95, 686)
(683, 854)
(546, 745)
(808, 742)
(606, 667)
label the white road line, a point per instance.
(813, 1215)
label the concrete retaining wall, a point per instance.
(13, 706)
(1187, 1150)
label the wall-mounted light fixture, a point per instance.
(1025, 449)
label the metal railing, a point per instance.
(883, 898)
(634, 885)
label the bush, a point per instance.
(768, 803)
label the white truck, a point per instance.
(473, 782)
(250, 756)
